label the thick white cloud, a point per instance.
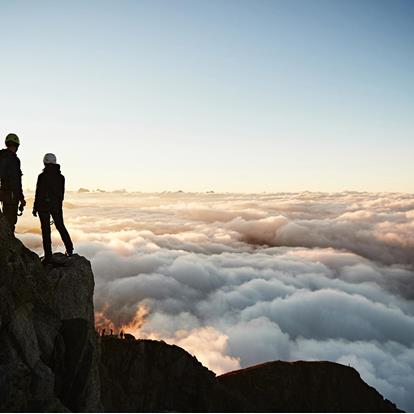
(240, 279)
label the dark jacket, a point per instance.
(50, 189)
(11, 175)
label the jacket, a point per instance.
(11, 175)
(50, 189)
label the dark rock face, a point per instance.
(48, 347)
(304, 387)
(147, 376)
(51, 359)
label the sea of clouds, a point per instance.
(239, 279)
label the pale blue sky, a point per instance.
(225, 95)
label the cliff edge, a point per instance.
(49, 356)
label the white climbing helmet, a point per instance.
(49, 159)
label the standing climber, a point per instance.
(50, 191)
(11, 193)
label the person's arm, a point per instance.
(63, 189)
(37, 195)
(16, 181)
(2, 166)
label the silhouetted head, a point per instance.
(12, 142)
(49, 159)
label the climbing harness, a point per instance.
(21, 209)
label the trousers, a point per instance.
(57, 216)
(10, 212)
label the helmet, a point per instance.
(49, 159)
(12, 139)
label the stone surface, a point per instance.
(73, 285)
(304, 387)
(146, 376)
(49, 355)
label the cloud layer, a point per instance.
(240, 279)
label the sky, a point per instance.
(238, 96)
(260, 101)
(241, 279)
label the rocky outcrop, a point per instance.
(148, 376)
(151, 376)
(304, 387)
(51, 359)
(48, 347)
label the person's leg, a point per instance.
(57, 216)
(47, 241)
(10, 212)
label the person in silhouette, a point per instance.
(50, 191)
(11, 193)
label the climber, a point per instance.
(50, 191)
(11, 193)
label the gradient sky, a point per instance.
(212, 95)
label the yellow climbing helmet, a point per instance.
(12, 139)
